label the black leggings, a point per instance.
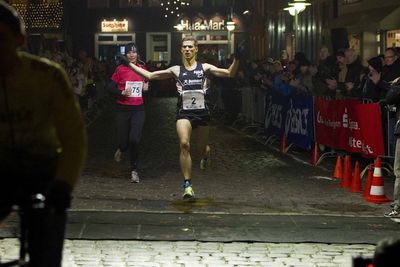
(129, 131)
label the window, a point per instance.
(130, 3)
(98, 3)
(393, 38)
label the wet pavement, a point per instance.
(244, 177)
(251, 194)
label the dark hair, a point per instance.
(10, 17)
(130, 47)
(376, 63)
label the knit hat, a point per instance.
(131, 47)
(376, 63)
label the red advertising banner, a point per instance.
(349, 125)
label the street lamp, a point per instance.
(294, 8)
(230, 26)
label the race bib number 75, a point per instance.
(193, 99)
(135, 88)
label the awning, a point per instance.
(385, 18)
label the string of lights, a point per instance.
(41, 14)
(173, 7)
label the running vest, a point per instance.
(126, 78)
(192, 90)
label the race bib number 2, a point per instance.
(135, 88)
(193, 99)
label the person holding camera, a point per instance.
(42, 142)
(192, 109)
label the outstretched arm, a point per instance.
(155, 75)
(231, 71)
(224, 73)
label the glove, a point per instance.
(59, 195)
(123, 60)
(239, 50)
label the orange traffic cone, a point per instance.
(283, 143)
(368, 182)
(376, 193)
(315, 155)
(337, 173)
(356, 181)
(346, 180)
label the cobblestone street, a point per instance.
(86, 253)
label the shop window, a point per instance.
(125, 38)
(393, 38)
(105, 38)
(98, 3)
(158, 46)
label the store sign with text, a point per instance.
(202, 25)
(114, 26)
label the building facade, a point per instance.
(101, 27)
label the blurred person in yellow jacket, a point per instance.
(42, 142)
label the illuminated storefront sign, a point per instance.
(114, 26)
(201, 25)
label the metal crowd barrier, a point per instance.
(252, 119)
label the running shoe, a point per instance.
(118, 155)
(203, 164)
(188, 192)
(134, 177)
(393, 213)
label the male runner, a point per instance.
(192, 110)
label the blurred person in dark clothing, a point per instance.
(42, 142)
(352, 74)
(386, 252)
(303, 80)
(368, 89)
(390, 70)
(326, 69)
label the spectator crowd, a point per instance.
(338, 75)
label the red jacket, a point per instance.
(125, 77)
